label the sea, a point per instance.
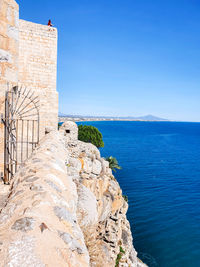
(161, 176)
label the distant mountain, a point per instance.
(151, 118)
(143, 118)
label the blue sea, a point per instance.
(161, 177)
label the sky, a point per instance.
(125, 57)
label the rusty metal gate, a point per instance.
(21, 128)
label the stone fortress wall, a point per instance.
(9, 53)
(65, 208)
(38, 67)
(28, 57)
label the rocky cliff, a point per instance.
(65, 208)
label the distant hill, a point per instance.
(143, 118)
(151, 118)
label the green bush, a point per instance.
(125, 198)
(119, 256)
(121, 250)
(90, 134)
(113, 163)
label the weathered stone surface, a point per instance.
(87, 165)
(87, 207)
(13, 32)
(101, 209)
(31, 179)
(5, 56)
(25, 224)
(73, 243)
(21, 253)
(96, 167)
(37, 188)
(76, 163)
(54, 186)
(50, 206)
(28, 57)
(63, 214)
(70, 131)
(74, 220)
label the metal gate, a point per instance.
(21, 128)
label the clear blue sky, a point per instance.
(125, 57)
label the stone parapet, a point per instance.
(65, 208)
(38, 225)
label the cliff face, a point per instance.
(65, 208)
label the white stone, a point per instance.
(5, 56)
(96, 167)
(87, 207)
(87, 166)
(13, 32)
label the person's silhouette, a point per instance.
(49, 23)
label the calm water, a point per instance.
(161, 177)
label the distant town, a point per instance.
(64, 117)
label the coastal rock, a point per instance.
(65, 208)
(24, 224)
(96, 167)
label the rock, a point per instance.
(31, 179)
(25, 224)
(63, 214)
(106, 208)
(125, 235)
(49, 129)
(37, 188)
(96, 167)
(33, 213)
(90, 150)
(5, 56)
(54, 186)
(74, 213)
(21, 253)
(87, 165)
(73, 243)
(70, 130)
(75, 163)
(87, 207)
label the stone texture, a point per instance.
(38, 69)
(5, 56)
(28, 58)
(39, 228)
(101, 209)
(70, 131)
(71, 215)
(87, 207)
(9, 48)
(24, 224)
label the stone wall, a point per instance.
(38, 68)
(38, 223)
(65, 208)
(9, 47)
(28, 57)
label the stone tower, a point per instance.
(28, 58)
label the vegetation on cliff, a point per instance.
(90, 134)
(113, 163)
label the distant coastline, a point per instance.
(80, 118)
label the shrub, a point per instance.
(90, 134)
(119, 256)
(113, 163)
(125, 198)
